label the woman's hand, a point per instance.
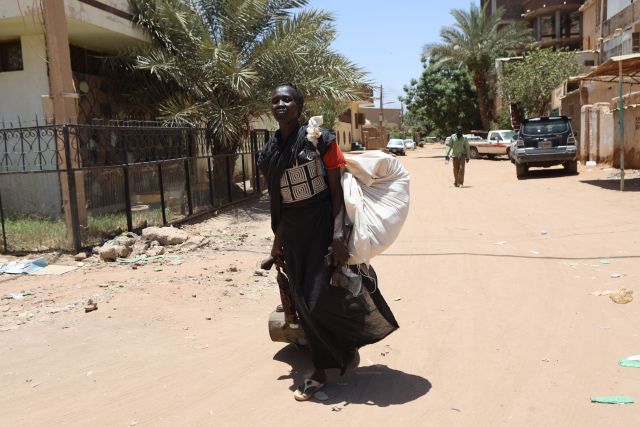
(276, 249)
(340, 251)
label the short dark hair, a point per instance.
(297, 95)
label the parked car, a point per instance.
(409, 144)
(545, 142)
(396, 146)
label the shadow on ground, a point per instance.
(545, 173)
(376, 385)
(632, 185)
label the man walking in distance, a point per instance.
(458, 148)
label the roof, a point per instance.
(610, 70)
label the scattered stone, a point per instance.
(622, 296)
(233, 269)
(259, 273)
(208, 318)
(91, 306)
(193, 243)
(165, 235)
(228, 279)
(140, 247)
(80, 256)
(112, 250)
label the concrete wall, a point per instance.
(631, 132)
(22, 91)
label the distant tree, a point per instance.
(329, 109)
(441, 99)
(529, 82)
(476, 40)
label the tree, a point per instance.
(441, 99)
(215, 62)
(476, 40)
(530, 82)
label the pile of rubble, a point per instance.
(152, 243)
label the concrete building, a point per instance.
(50, 73)
(513, 9)
(50, 55)
(555, 23)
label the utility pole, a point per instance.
(621, 129)
(381, 119)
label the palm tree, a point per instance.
(215, 62)
(475, 41)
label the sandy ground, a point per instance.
(492, 285)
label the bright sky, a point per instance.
(386, 38)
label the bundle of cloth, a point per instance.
(376, 196)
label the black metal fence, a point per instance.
(71, 186)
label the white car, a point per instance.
(497, 144)
(409, 144)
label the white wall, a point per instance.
(21, 97)
(616, 6)
(21, 91)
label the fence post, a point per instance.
(4, 235)
(127, 190)
(187, 172)
(228, 173)
(210, 172)
(244, 176)
(162, 202)
(73, 195)
(256, 172)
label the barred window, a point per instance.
(10, 56)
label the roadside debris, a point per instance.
(91, 306)
(165, 235)
(501, 242)
(630, 362)
(601, 293)
(24, 267)
(616, 275)
(622, 296)
(80, 256)
(613, 400)
(605, 261)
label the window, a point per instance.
(635, 42)
(548, 27)
(85, 61)
(570, 25)
(10, 56)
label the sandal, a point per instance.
(306, 390)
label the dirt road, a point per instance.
(492, 285)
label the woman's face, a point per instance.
(283, 106)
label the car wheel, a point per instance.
(521, 170)
(571, 167)
(473, 153)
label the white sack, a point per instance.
(376, 197)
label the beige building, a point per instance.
(50, 58)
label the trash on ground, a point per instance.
(398, 299)
(622, 296)
(616, 275)
(544, 232)
(535, 252)
(630, 362)
(601, 293)
(612, 400)
(500, 242)
(591, 164)
(605, 261)
(24, 267)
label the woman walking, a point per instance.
(303, 166)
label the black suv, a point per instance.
(544, 142)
